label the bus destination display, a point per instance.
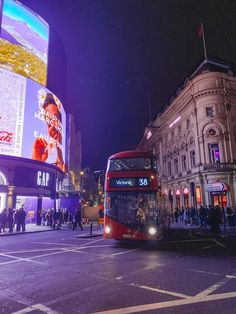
(129, 182)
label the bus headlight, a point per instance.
(107, 229)
(152, 230)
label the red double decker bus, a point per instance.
(134, 205)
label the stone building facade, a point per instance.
(194, 138)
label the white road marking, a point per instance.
(215, 242)
(19, 259)
(9, 262)
(149, 267)
(175, 294)
(213, 288)
(74, 248)
(96, 246)
(125, 252)
(231, 277)
(50, 243)
(40, 307)
(219, 243)
(186, 241)
(205, 272)
(169, 304)
(34, 250)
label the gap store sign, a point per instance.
(26, 177)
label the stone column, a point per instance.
(11, 197)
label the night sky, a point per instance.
(121, 52)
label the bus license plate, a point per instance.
(128, 236)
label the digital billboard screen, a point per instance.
(24, 42)
(32, 120)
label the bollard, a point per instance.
(91, 228)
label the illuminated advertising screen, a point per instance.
(32, 120)
(24, 42)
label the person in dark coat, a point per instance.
(3, 220)
(10, 219)
(215, 218)
(22, 215)
(77, 219)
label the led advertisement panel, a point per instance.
(24, 42)
(32, 120)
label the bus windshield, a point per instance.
(137, 163)
(132, 207)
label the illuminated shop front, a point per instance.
(218, 193)
(177, 198)
(28, 183)
(186, 197)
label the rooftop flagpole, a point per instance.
(201, 34)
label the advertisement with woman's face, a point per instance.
(32, 121)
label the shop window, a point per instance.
(214, 153)
(184, 162)
(192, 158)
(209, 111)
(176, 165)
(169, 168)
(198, 195)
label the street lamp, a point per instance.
(100, 173)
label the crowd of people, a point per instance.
(10, 218)
(56, 218)
(15, 219)
(215, 217)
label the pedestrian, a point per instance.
(10, 219)
(193, 215)
(203, 216)
(3, 220)
(230, 217)
(77, 219)
(176, 214)
(100, 215)
(22, 215)
(215, 218)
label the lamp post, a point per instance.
(100, 173)
(81, 180)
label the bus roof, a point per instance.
(132, 154)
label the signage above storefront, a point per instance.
(43, 178)
(216, 187)
(28, 177)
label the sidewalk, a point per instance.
(32, 228)
(205, 232)
(29, 228)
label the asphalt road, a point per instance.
(57, 272)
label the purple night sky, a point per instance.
(120, 52)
